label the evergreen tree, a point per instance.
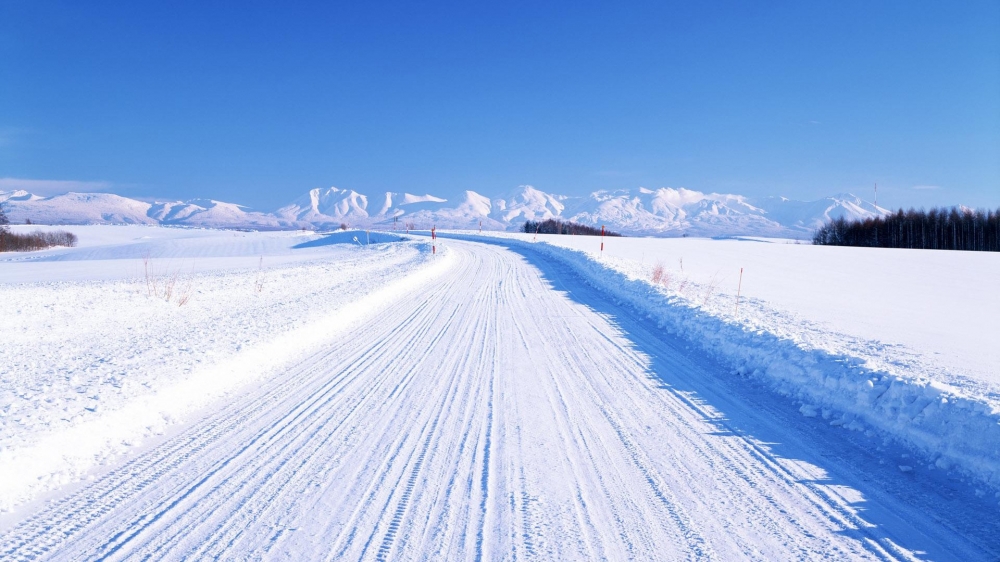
(552, 226)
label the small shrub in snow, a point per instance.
(682, 287)
(712, 286)
(259, 281)
(660, 276)
(165, 286)
(657, 277)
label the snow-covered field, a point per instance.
(934, 311)
(316, 397)
(899, 343)
(96, 355)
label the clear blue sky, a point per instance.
(254, 103)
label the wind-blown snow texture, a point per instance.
(662, 212)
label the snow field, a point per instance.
(457, 426)
(117, 252)
(89, 369)
(503, 409)
(950, 415)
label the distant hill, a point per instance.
(655, 212)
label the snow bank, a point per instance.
(954, 429)
(90, 369)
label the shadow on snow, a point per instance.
(772, 424)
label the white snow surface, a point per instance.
(898, 341)
(93, 365)
(352, 396)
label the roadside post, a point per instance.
(738, 287)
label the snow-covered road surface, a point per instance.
(509, 411)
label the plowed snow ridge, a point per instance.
(864, 386)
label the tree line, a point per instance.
(13, 242)
(936, 229)
(552, 226)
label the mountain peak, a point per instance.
(664, 211)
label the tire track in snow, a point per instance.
(378, 488)
(77, 511)
(389, 396)
(263, 441)
(490, 417)
(687, 429)
(84, 508)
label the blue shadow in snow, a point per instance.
(772, 425)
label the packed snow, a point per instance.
(352, 395)
(899, 342)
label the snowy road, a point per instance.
(509, 411)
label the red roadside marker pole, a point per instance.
(602, 239)
(433, 240)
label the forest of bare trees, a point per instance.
(937, 229)
(13, 242)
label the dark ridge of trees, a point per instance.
(937, 229)
(38, 240)
(553, 226)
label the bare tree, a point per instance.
(937, 229)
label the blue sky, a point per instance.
(254, 103)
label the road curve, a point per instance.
(507, 412)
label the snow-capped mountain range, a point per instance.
(656, 212)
